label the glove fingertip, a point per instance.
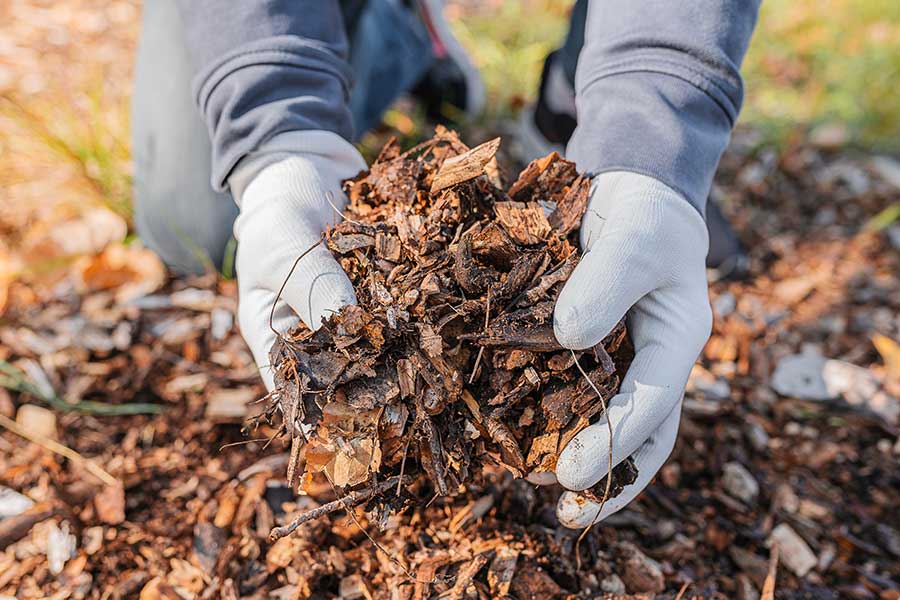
(331, 300)
(583, 315)
(566, 319)
(582, 460)
(575, 511)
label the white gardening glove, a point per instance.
(644, 253)
(283, 192)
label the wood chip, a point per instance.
(464, 167)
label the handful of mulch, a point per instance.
(448, 364)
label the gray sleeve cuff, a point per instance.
(266, 67)
(658, 88)
(653, 124)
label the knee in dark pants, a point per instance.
(177, 213)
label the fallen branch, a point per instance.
(350, 500)
(58, 448)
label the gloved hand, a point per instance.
(283, 192)
(644, 254)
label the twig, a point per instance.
(487, 317)
(354, 498)
(15, 379)
(58, 448)
(683, 589)
(403, 465)
(284, 283)
(346, 502)
(242, 442)
(768, 591)
(610, 461)
(329, 198)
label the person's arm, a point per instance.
(266, 67)
(272, 84)
(658, 90)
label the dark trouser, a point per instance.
(177, 212)
(180, 216)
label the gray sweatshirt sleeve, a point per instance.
(658, 88)
(265, 67)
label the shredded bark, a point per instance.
(450, 353)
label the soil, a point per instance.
(192, 515)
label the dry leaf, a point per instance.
(132, 271)
(890, 354)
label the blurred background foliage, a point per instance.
(810, 63)
(826, 68)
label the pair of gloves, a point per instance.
(644, 254)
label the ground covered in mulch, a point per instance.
(789, 438)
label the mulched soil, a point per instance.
(192, 516)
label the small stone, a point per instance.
(109, 504)
(613, 585)
(221, 322)
(810, 376)
(37, 421)
(757, 436)
(794, 552)
(640, 574)
(800, 376)
(703, 382)
(860, 387)
(887, 168)
(13, 503)
(61, 546)
(724, 304)
(740, 483)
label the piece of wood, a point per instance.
(350, 500)
(13, 529)
(569, 211)
(523, 221)
(464, 167)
